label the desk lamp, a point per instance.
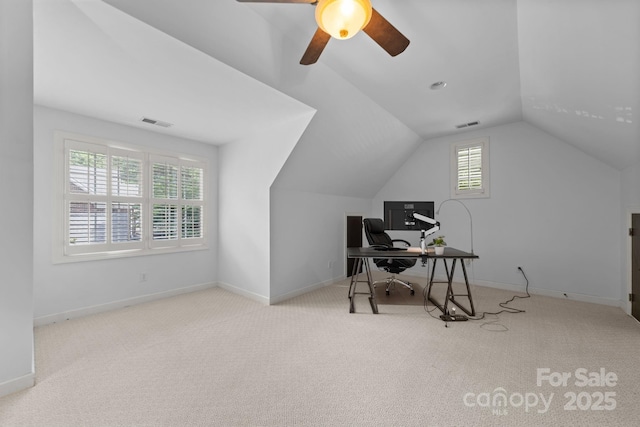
(468, 211)
(424, 221)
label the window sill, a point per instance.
(101, 256)
(484, 195)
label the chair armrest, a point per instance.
(378, 246)
(403, 241)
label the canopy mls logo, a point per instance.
(592, 393)
(499, 401)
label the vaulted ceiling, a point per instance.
(568, 67)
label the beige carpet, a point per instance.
(398, 294)
(213, 358)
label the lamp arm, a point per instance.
(468, 211)
(431, 230)
(423, 231)
(424, 218)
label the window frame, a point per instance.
(485, 190)
(65, 251)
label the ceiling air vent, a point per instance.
(156, 122)
(466, 125)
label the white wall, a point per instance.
(247, 170)
(62, 289)
(553, 210)
(308, 233)
(631, 186)
(630, 204)
(16, 178)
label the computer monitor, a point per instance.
(399, 215)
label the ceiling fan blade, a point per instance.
(278, 1)
(385, 34)
(315, 48)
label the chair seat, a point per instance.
(376, 236)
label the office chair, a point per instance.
(378, 238)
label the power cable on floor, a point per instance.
(505, 308)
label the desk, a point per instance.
(455, 255)
(362, 256)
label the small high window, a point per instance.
(470, 168)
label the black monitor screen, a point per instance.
(399, 215)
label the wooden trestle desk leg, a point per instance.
(450, 296)
(354, 282)
(468, 295)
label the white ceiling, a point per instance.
(569, 67)
(89, 57)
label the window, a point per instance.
(470, 169)
(120, 200)
(177, 202)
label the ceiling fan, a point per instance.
(342, 19)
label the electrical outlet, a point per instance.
(330, 264)
(143, 277)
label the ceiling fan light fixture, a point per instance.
(342, 19)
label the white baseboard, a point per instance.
(302, 291)
(279, 298)
(17, 384)
(520, 289)
(551, 293)
(243, 292)
(421, 279)
(59, 317)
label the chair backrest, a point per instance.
(374, 230)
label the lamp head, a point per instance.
(342, 19)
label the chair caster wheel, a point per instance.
(413, 292)
(387, 292)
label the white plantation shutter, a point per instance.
(126, 222)
(164, 214)
(192, 195)
(192, 182)
(191, 221)
(177, 202)
(127, 191)
(86, 169)
(86, 197)
(87, 223)
(122, 201)
(165, 178)
(165, 222)
(126, 175)
(470, 169)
